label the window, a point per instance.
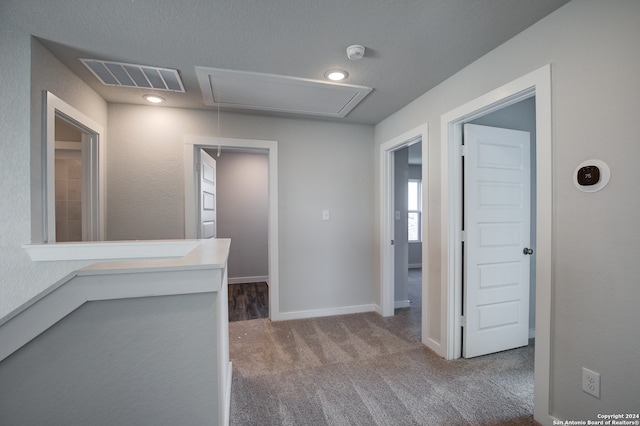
(415, 210)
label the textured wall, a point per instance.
(242, 206)
(47, 73)
(321, 165)
(145, 177)
(14, 166)
(143, 361)
(400, 224)
(595, 63)
(20, 139)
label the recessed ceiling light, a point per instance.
(154, 99)
(336, 75)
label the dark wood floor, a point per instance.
(248, 301)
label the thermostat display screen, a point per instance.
(591, 175)
(588, 175)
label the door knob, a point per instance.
(527, 251)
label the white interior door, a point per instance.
(207, 195)
(497, 204)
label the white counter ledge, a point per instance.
(110, 310)
(106, 250)
(206, 254)
(202, 269)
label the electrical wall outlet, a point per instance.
(591, 382)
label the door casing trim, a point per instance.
(93, 176)
(386, 307)
(191, 146)
(538, 84)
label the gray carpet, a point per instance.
(364, 369)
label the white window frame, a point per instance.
(418, 211)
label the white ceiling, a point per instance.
(412, 45)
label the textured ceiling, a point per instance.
(412, 45)
(268, 92)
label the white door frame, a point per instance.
(386, 307)
(538, 84)
(191, 146)
(93, 189)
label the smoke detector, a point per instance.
(355, 52)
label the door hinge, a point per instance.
(463, 236)
(463, 321)
(393, 242)
(463, 150)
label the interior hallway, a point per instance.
(364, 369)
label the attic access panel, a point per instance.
(269, 92)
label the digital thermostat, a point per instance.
(588, 175)
(591, 175)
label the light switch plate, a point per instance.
(325, 214)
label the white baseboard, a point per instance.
(415, 265)
(315, 313)
(532, 333)
(377, 309)
(434, 346)
(401, 304)
(245, 280)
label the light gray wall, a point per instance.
(243, 211)
(321, 165)
(27, 68)
(415, 255)
(15, 226)
(521, 116)
(47, 73)
(145, 177)
(143, 361)
(400, 237)
(595, 62)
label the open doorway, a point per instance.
(68, 183)
(507, 267)
(251, 151)
(242, 193)
(407, 235)
(396, 250)
(538, 84)
(407, 185)
(73, 172)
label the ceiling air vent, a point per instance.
(131, 75)
(277, 93)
